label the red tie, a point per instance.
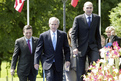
(29, 45)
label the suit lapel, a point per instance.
(33, 44)
(49, 39)
(58, 38)
(25, 44)
(93, 20)
(84, 17)
(85, 20)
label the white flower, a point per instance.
(116, 78)
(120, 50)
(103, 51)
(111, 61)
(95, 71)
(116, 70)
(102, 61)
(105, 68)
(120, 77)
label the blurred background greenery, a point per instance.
(12, 22)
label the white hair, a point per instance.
(54, 19)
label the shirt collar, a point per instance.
(28, 39)
(53, 32)
(88, 16)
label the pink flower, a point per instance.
(106, 69)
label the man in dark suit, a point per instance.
(52, 45)
(24, 54)
(86, 31)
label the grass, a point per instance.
(6, 74)
(16, 79)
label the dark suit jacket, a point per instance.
(46, 52)
(23, 56)
(114, 38)
(86, 36)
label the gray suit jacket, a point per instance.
(46, 52)
(23, 56)
(86, 36)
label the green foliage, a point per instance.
(12, 22)
(115, 18)
(106, 6)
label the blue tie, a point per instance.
(54, 41)
(89, 21)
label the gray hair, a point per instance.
(54, 19)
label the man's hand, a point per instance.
(36, 66)
(12, 72)
(67, 66)
(75, 51)
(67, 63)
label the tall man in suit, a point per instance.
(52, 45)
(24, 54)
(86, 31)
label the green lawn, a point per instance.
(16, 79)
(4, 74)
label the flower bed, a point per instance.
(106, 68)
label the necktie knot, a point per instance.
(89, 17)
(53, 33)
(28, 40)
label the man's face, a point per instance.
(54, 25)
(88, 8)
(28, 33)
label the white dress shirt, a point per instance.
(51, 32)
(87, 17)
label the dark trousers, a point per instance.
(93, 55)
(30, 77)
(53, 75)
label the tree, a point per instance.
(106, 6)
(12, 22)
(115, 18)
